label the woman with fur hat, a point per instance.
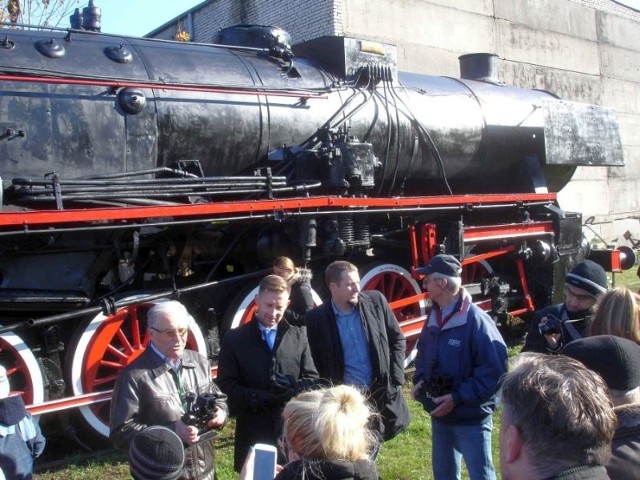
(299, 281)
(20, 438)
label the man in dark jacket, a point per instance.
(153, 391)
(461, 357)
(556, 325)
(355, 339)
(262, 365)
(617, 361)
(557, 420)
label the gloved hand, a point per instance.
(281, 383)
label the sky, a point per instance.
(138, 17)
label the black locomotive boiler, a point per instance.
(135, 170)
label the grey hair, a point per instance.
(453, 283)
(172, 308)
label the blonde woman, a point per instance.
(618, 313)
(327, 436)
(299, 280)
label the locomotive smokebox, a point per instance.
(480, 66)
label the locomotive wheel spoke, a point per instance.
(22, 368)
(396, 283)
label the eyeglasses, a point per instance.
(578, 297)
(170, 333)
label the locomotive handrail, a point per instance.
(115, 84)
(111, 304)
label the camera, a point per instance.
(433, 387)
(200, 408)
(551, 326)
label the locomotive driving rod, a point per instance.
(110, 306)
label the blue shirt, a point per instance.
(355, 348)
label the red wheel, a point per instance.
(396, 283)
(105, 346)
(22, 368)
(472, 275)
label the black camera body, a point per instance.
(200, 408)
(433, 387)
(552, 326)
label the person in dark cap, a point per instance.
(556, 325)
(617, 361)
(461, 357)
(156, 453)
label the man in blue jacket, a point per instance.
(461, 357)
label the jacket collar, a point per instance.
(628, 417)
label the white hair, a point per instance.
(171, 308)
(453, 283)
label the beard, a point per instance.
(580, 313)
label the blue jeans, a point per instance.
(453, 442)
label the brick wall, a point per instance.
(303, 19)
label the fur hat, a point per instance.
(156, 453)
(443, 264)
(590, 277)
(615, 359)
(4, 383)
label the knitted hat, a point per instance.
(615, 359)
(4, 383)
(590, 277)
(443, 264)
(156, 453)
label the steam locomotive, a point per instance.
(135, 170)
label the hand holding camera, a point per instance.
(550, 325)
(433, 387)
(200, 409)
(550, 328)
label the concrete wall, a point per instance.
(582, 50)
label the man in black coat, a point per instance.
(355, 339)
(262, 365)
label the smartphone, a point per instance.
(264, 464)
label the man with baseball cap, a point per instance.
(555, 326)
(461, 357)
(617, 361)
